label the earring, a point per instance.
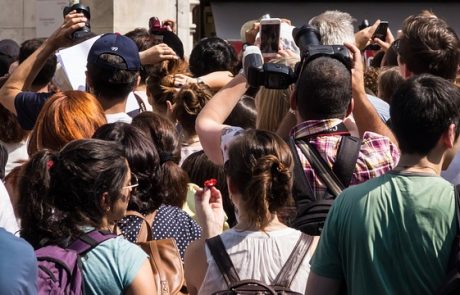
(107, 209)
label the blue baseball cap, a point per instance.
(115, 44)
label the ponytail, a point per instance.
(35, 207)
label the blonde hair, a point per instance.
(273, 104)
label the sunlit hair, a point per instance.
(66, 116)
(273, 104)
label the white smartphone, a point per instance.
(270, 36)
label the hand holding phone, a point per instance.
(270, 36)
(380, 33)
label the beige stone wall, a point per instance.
(17, 17)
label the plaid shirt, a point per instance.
(376, 156)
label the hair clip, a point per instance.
(49, 164)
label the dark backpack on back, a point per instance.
(312, 209)
(59, 269)
(281, 284)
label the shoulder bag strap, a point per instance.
(347, 156)
(144, 236)
(457, 206)
(223, 261)
(140, 102)
(301, 183)
(292, 265)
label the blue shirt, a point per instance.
(18, 265)
(28, 105)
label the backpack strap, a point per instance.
(141, 105)
(292, 265)
(90, 240)
(347, 156)
(302, 187)
(223, 261)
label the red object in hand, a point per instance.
(210, 182)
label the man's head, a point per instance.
(422, 111)
(113, 66)
(9, 51)
(428, 45)
(47, 71)
(335, 27)
(323, 90)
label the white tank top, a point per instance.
(256, 255)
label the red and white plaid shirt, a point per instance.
(376, 156)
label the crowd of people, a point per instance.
(168, 146)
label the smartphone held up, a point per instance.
(270, 36)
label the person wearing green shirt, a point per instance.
(393, 234)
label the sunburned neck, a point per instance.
(418, 163)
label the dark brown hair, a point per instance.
(162, 133)
(260, 165)
(10, 130)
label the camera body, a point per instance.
(275, 76)
(80, 8)
(155, 25)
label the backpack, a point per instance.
(451, 284)
(312, 209)
(280, 285)
(165, 260)
(59, 269)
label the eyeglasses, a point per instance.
(134, 182)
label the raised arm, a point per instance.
(209, 123)
(23, 76)
(364, 113)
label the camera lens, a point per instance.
(305, 36)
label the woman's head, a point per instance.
(190, 100)
(259, 169)
(162, 133)
(211, 55)
(66, 116)
(82, 185)
(143, 160)
(160, 84)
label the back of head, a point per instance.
(47, 71)
(335, 27)
(160, 83)
(66, 116)
(143, 41)
(244, 114)
(143, 160)
(9, 51)
(190, 100)
(388, 82)
(10, 130)
(113, 65)
(60, 192)
(429, 45)
(260, 166)
(422, 110)
(323, 90)
(211, 55)
(162, 132)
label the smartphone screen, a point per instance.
(381, 31)
(269, 38)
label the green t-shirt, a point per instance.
(390, 235)
(111, 267)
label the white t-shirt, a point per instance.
(7, 217)
(118, 117)
(132, 104)
(17, 154)
(256, 255)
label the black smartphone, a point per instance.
(381, 33)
